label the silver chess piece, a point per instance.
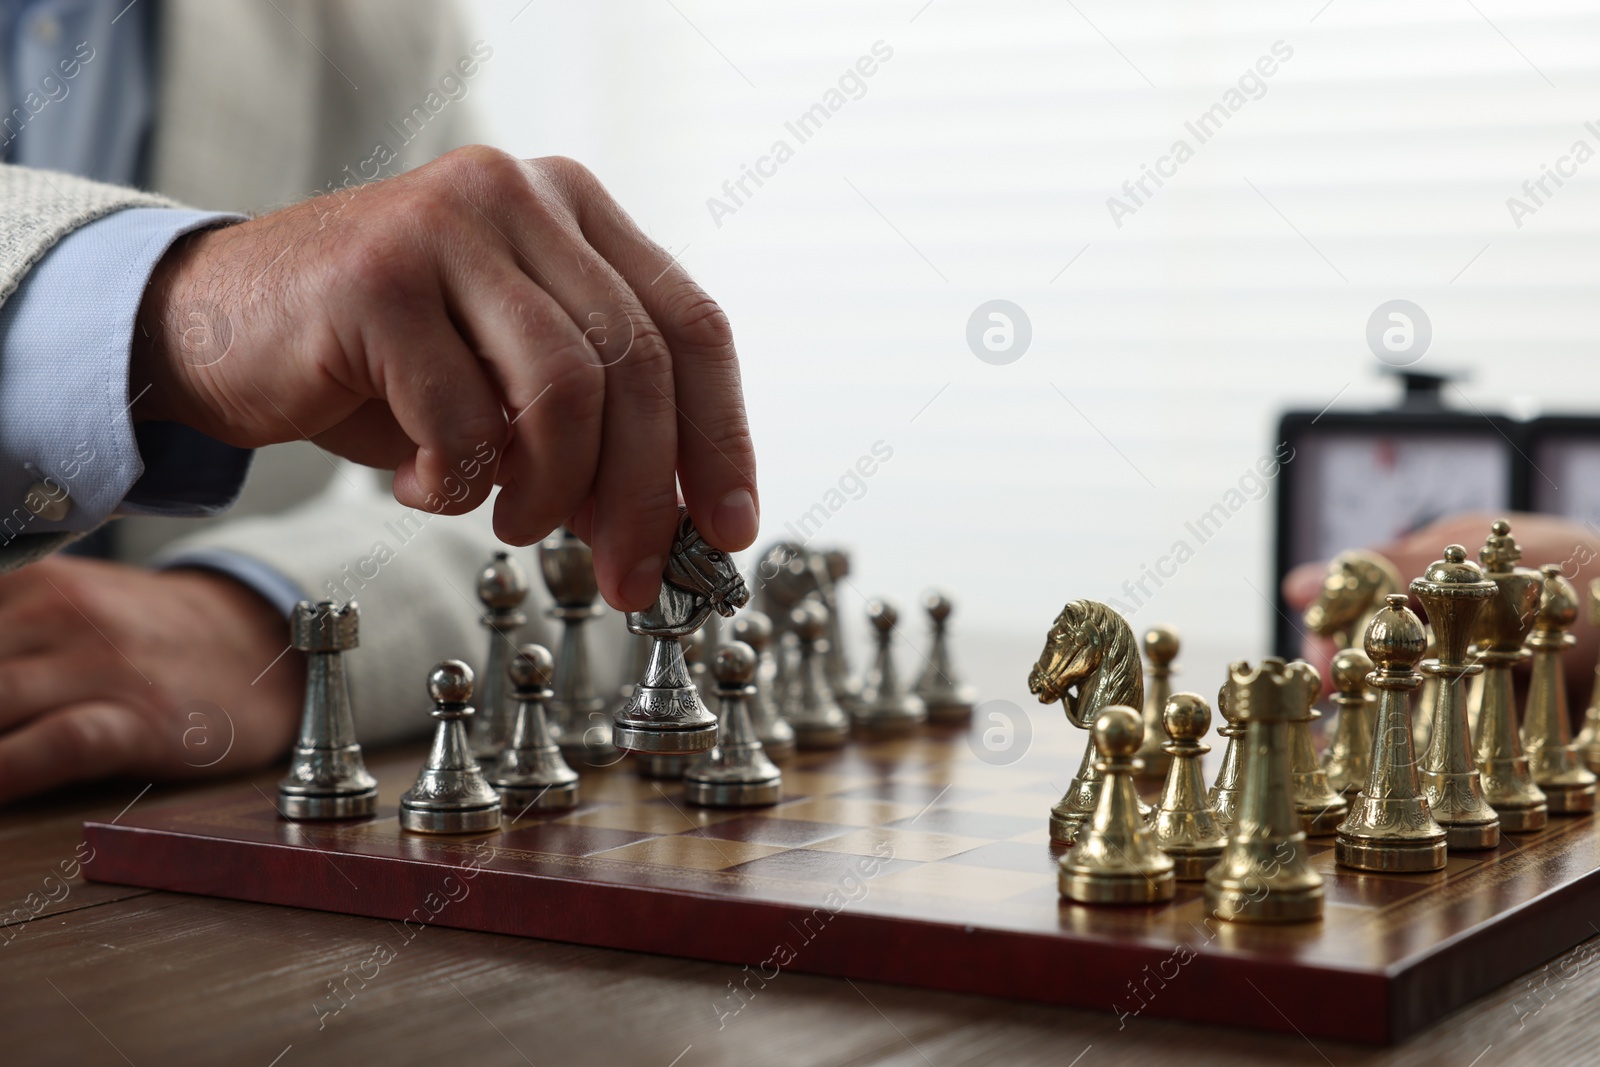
(737, 773)
(885, 708)
(327, 778)
(815, 716)
(772, 729)
(669, 766)
(665, 712)
(846, 688)
(577, 710)
(451, 795)
(502, 587)
(531, 773)
(947, 698)
(788, 574)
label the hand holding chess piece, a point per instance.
(451, 795)
(665, 713)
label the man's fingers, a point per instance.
(444, 401)
(76, 743)
(1301, 585)
(635, 493)
(32, 685)
(716, 458)
(554, 392)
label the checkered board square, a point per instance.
(911, 861)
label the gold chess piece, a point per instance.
(1497, 644)
(1115, 860)
(1427, 700)
(1160, 649)
(1185, 826)
(1322, 808)
(1588, 740)
(1090, 649)
(1352, 592)
(1453, 592)
(1390, 827)
(1265, 874)
(1349, 756)
(1545, 731)
(1227, 790)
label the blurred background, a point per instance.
(1362, 153)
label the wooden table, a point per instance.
(108, 975)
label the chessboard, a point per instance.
(911, 861)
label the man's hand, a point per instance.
(1543, 539)
(479, 320)
(107, 669)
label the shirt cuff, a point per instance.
(69, 456)
(271, 584)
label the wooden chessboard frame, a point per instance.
(910, 862)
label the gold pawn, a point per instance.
(1160, 649)
(1390, 827)
(1588, 740)
(1497, 644)
(1115, 860)
(1349, 755)
(1185, 826)
(1453, 592)
(1226, 790)
(1321, 807)
(1265, 873)
(1546, 733)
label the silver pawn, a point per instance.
(885, 709)
(531, 772)
(327, 778)
(788, 574)
(947, 699)
(846, 688)
(451, 795)
(579, 722)
(815, 716)
(772, 730)
(502, 587)
(737, 773)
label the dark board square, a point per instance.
(566, 839)
(766, 831)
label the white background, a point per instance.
(977, 165)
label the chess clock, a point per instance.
(1361, 478)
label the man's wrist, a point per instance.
(175, 334)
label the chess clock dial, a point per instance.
(1365, 489)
